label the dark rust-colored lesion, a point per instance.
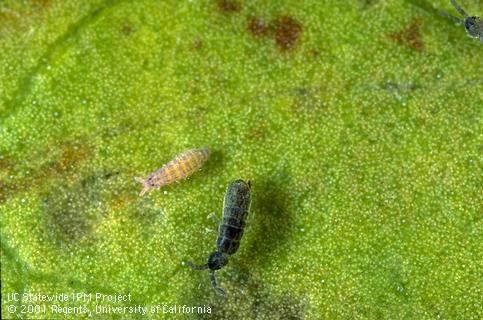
(410, 36)
(257, 27)
(284, 30)
(229, 6)
(127, 29)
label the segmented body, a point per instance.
(235, 211)
(181, 167)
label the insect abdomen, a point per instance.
(177, 169)
(235, 212)
(181, 167)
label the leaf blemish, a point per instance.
(410, 36)
(286, 32)
(257, 27)
(229, 6)
(127, 29)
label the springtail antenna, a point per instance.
(145, 184)
(196, 266)
(459, 9)
(451, 17)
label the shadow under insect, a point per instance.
(272, 222)
(214, 162)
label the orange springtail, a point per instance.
(182, 166)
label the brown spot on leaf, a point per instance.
(4, 164)
(286, 31)
(229, 6)
(197, 44)
(410, 36)
(313, 53)
(72, 154)
(127, 29)
(40, 3)
(257, 27)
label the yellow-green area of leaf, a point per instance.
(357, 122)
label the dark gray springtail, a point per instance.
(473, 24)
(230, 231)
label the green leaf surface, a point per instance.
(357, 122)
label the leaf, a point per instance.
(362, 152)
